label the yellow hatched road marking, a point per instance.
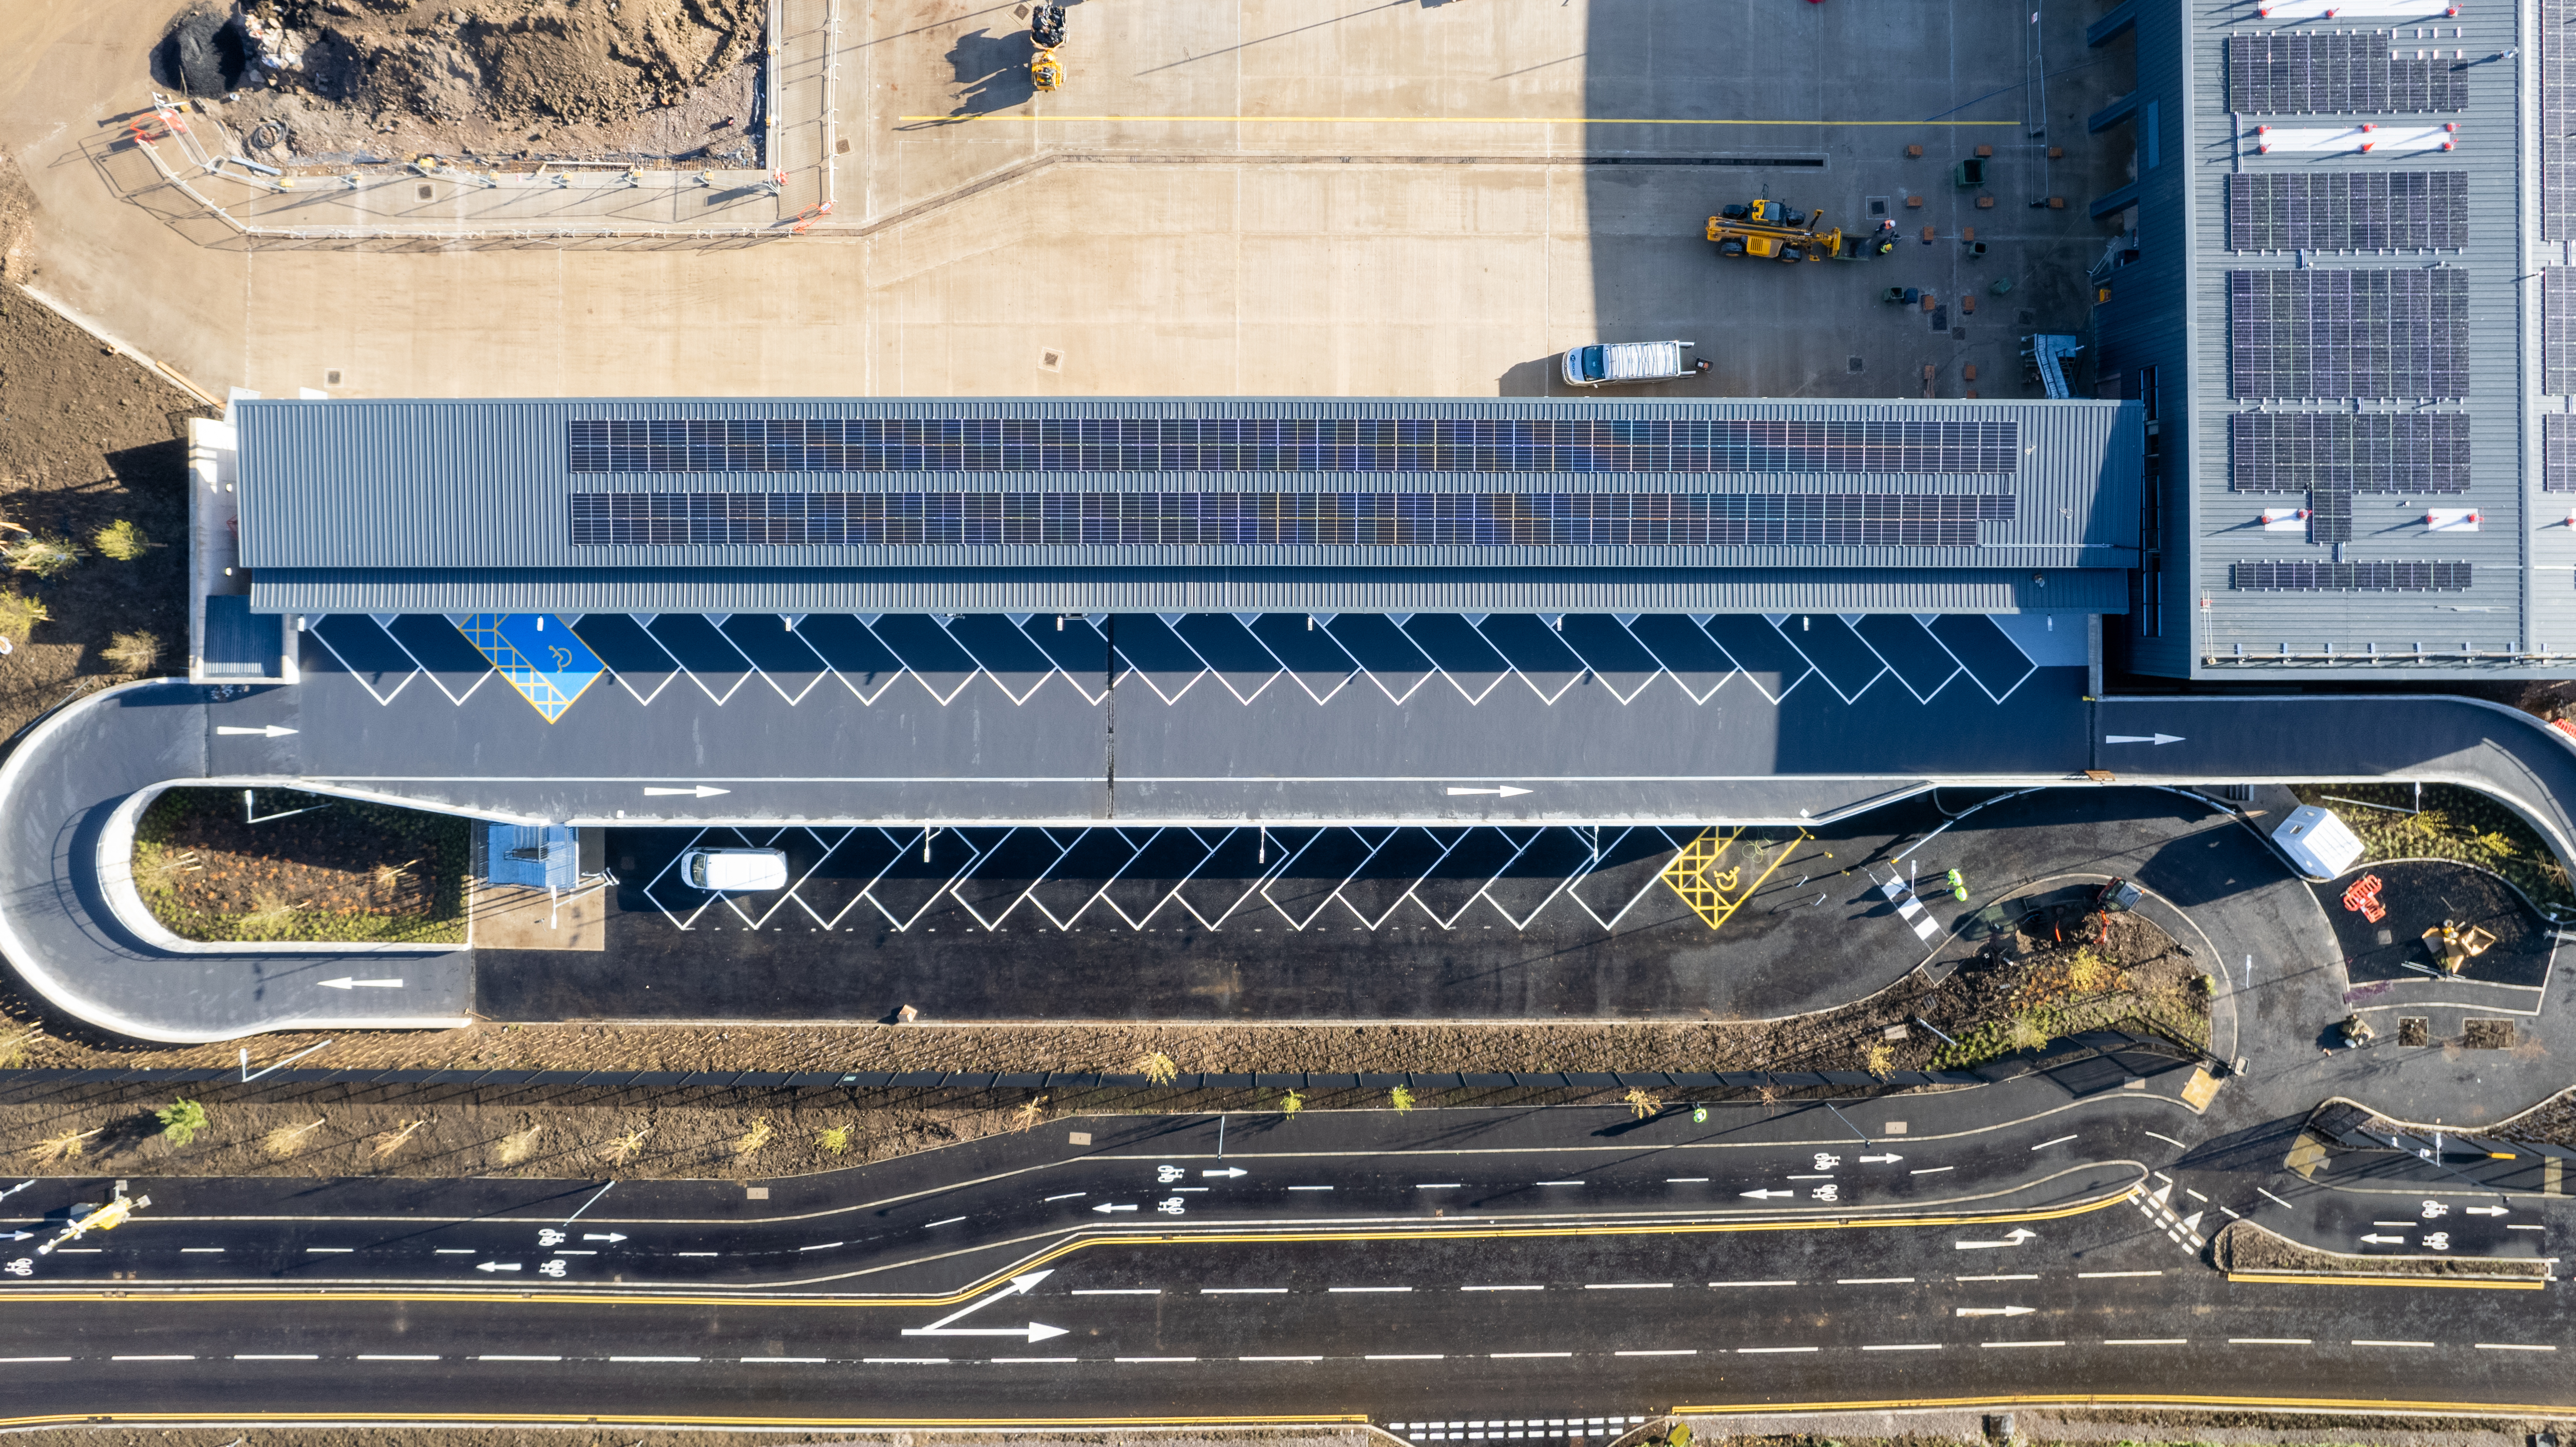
(1716, 894)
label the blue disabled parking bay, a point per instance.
(539, 656)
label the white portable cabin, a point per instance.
(2322, 845)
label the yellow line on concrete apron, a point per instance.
(1315, 1419)
(2492, 1283)
(2128, 1399)
(1452, 120)
(505, 1296)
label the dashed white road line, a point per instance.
(2506, 1346)
(1270, 1359)
(1627, 1286)
(1753, 1283)
(1076, 1196)
(1769, 1351)
(783, 1361)
(1136, 1360)
(1406, 1357)
(388, 1357)
(675, 1253)
(1435, 1185)
(903, 1361)
(1907, 1347)
(2107, 1275)
(152, 1359)
(2168, 1140)
(16, 1361)
(1121, 1291)
(828, 1245)
(1931, 1170)
(2269, 1341)
(517, 1359)
(1685, 1180)
(1362, 1290)
(329, 1250)
(1664, 1352)
(2025, 1276)
(656, 1359)
(258, 1357)
(1031, 1361)
(2275, 1200)
(201, 1251)
(2146, 1341)
(2061, 1140)
(951, 1221)
(2021, 1343)
(1873, 1280)
(1512, 1356)
(1243, 1291)
(1556, 1183)
(1502, 1288)
(2360, 1343)
(1293, 1188)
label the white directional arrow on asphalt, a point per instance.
(1229, 1172)
(2385, 1240)
(2014, 1237)
(1997, 1310)
(702, 791)
(1506, 792)
(273, 731)
(2486, 1210)
(1885, 1160)
(1765, 1195)
(1033, 1332)
(498, 1266)
(1104, 1208)
(345, 983)
(611, 1237)
(2142, 738)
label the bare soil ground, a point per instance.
(86, 438)
(2244, 1246)
(331, 869)
(646, 82)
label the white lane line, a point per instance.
(1753, 1283)
(1502, 1288)
(2195, 1195)
(1255, 1359)
(2107, 1275)
(201, 1251)
(828, 1245)
(2168, 1140)
(1422, 1357)
(1931, 1170)
(1067, 1196)
(469, 1251)
(1275, 1359)
(78, 1250)
(2506, 1346)
(14, 1361)
(261, 1357)
(657, 1359)
(2269, 1341)
(2230, 1215)
(2392, 1343)
(1872, 1280)
(675, 1253)
(389, 1358)
(329, 1250)
(951, 1221)
(2061, 1140)
(783, 1361)
(2509, 1228)
(1627, 1286)
(2275, 1200)
(518, 1359)
(1243, 1291)
(1357, 1290)
(568, 1251)
(1556, 1183)
(904, 1361)
(1122, 1291)
(1910, 1347)
(1435, 1185)
(2146, 1341)
(153, 1359)
(1814, 1176)
(1685, 1180)
(1489, 1356)
(1769, 1351)
(2021, 1343)
(1154, 1359)
(1031, 1361)
(1665, 1352)
(2027, 1276)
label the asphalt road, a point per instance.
(2025, 1242)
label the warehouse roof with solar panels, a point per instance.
(2344, 307)
(998, 506)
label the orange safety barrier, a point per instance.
(2363, 899)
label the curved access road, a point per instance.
(61, 784)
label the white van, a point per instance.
(1609, 363)
(734, 871)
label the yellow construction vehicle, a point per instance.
(1046, 32)
(1765, 230)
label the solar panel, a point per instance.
(2287, 73)
(2347, 210)
(2335, 334)
(2348, 577)
(1292, 444)
(2558, 452)
(2558, 330)
(1281, 519)
(2380, 452)
(2558, 120)
(2330, 515)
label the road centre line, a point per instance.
(1435, 1185)
(1257, 1359)
(903, 1361)
(783, 1361)
(2146, 1341)
(381, 1357)
(1031, 1361)
(1297, 1188)
(1752, 1283)
(1420, 1357)
(2525, 1228)
(201, 1251)
(1556, 1183)
(518, 1359)
(1627, 1286)
(469, 1251)
(2106, 1275)
(2195, 1195)
(1357, 1290)
(1121, 1291)
(259, 1357)
(2061, 1140)
(1489, 1356)
(2021, 1343)
(2027, 1276)
(1873, 1280)
(2168, 1140)
(329, 1250)
(657, 1359)
(1908, 1347)
(150, 1359)
(1931, 1170)
(951, 1221)
(568, 1251)
(1685, 1180)
(2269, 1341)
(15, 1361)
(1154, 1359)
(2392, 1343)
(828, 1245)
(1502, 1288)
(2506, 1346)
(1769, 1351)
(1067, 1196)
(1813, 1176)
(2275, 1200)
(1243, 1291)
(1664, 1352)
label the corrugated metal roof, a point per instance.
(1149, 590)
(449, 489)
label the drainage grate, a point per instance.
(1855, 364)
